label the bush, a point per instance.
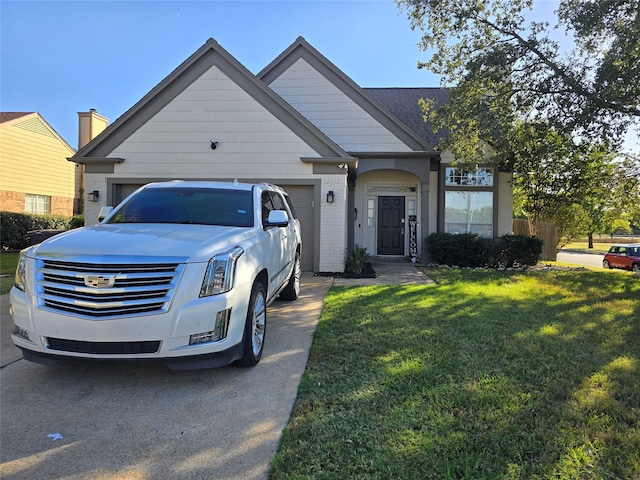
(520, 250)
(354, 262)
(14, 227)
(463, 250)
(470, 250)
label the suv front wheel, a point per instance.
(255, 326)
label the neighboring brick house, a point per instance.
(361, 167)
(35, 176)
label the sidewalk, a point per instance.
(389, 273)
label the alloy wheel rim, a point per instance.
(296, 279)
(258, 324)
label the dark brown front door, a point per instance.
(390, 226)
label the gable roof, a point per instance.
(8, 116)
(403, 103)
(209, 55)
(302, 49)
(32, 122)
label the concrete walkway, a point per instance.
(144, 422)
(389, 273)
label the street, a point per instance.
(584, 259)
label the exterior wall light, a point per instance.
(93, 196)
(330, 196)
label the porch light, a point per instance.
(93, 196)
(330, 196)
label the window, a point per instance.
(468, 201)
(469, 212)
(482, 177)
(370, 213)
(37, 203)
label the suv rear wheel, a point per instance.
(292, 290)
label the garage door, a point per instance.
(302, 199)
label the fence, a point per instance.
(550, 237)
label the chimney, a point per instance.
(90, 125)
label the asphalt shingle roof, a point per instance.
(8, 116)
(403, 104)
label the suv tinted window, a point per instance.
(206, 206)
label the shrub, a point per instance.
(470, 250)
(354, 262)
(520, 250)
(14, 227)
(463, 249)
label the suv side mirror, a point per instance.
(277, 218)
(104, 213)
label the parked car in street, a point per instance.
(626, 257)
(179, 272)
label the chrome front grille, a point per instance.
(109, 286)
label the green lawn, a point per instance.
(8, 262)
(583, 247)
(484, 375)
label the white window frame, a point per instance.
(476, 189)
(37, 204)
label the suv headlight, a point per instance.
(21, 270)
(221, 272)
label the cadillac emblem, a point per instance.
(100, 281)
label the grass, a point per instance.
(583, 247)
(8, 262)
(485, 375)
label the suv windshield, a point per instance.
(192, 205)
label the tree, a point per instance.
(552, 175)
(503, 66)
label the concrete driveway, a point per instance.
(147, 422)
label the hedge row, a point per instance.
(471, 250)
(14, 227)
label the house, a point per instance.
(359, 164)
(36, 176)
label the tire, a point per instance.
(255, 326)
(635, 268)
(292, 290)
(606, 264)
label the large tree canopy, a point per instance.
(504, 67)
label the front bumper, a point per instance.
(46, 336)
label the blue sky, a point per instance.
(62, 57)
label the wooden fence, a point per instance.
(550, 237)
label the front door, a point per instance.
(390, 226)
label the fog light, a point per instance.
(218, 333)
(20, 332)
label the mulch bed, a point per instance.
(367, 272)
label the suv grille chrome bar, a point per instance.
(104, 288)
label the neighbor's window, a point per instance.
(37, 203)
(468, 201)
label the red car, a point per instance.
(626, 257)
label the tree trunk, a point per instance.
(590, 240)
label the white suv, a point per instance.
(180, 272)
